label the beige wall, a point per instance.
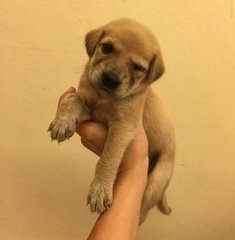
(43, 185)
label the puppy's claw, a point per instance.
(99, 198)
(107, 203)
(50, 127)
(62, 129)
(88, 200)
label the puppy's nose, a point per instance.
(110, 81)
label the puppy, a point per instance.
(124, 59)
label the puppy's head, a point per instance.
(124, 58)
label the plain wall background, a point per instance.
(43, 185)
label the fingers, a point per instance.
(91, 147)
(93, 135)
(70, 90)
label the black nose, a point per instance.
(110, 80)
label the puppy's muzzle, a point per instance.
(110, 80)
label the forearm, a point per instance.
(122, 219)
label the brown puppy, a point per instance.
(124, 59)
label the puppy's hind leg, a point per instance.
(158, 181)
(163, 205)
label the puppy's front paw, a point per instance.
(99, 197)
(62, 128)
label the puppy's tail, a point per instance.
(163, 205)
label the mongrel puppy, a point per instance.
(124, 59)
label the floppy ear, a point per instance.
(156, 67)
(91, 40)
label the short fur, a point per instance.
(128, 53)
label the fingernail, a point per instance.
(71, 89)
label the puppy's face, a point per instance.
(124, 58)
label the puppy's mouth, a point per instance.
(108, 92)
(104, 89)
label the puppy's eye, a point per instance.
(107, 48)
(138, 68)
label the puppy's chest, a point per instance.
(103, 112)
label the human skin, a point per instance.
(121, 220)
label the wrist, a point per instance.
(134, 164)
(135, 175)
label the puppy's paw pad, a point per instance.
(62, 129)
(99, 198)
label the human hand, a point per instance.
(94, 134)
(122, 219)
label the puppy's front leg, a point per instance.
(101, 190)
(70, 112)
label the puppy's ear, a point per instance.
(156, 67)
(91, 40)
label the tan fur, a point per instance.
(133, 63)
